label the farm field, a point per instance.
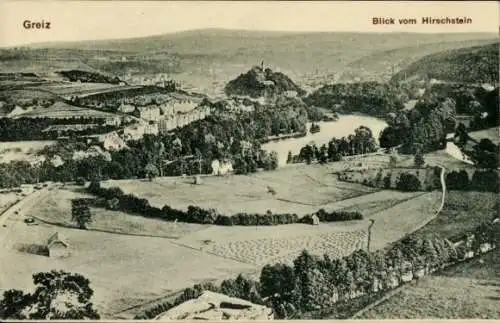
(233, 194)
(63, 110)
(21, 150)
(264, 245)
(76, 88)
(124, 270)
(6, 200)
(463, 211)
(393, 223)
(56, 209)
(466, 291)
(492, 134)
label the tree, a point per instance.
(408, 182)
(323, 154)
(80, 213)
(151, 171)
(418, 160)
(277, 279)
(58, 295)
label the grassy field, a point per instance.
(393, 223)
(263, 245)
(63, 110)
(124, 270)
(462, 211)
(469, 290)
(234, 193)
(7, 199)
(21, 150)
(56, 209)
(492, 134)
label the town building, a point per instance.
(58, 246)
(150, 113)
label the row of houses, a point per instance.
(176, 104)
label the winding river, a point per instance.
(343, 127)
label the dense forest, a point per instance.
(479, 64)
(425, 126)
(370, 98)
(259, 82)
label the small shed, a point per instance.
(314, 219)
(58, 246)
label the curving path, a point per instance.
(398, 289)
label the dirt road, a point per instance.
(18, 210)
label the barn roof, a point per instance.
(57, 237)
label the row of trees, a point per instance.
(482, 180)
(361, 142)
(115, 199)
(316, 283)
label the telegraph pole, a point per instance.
(370, 233)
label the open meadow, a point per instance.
(7, 199)
(21, 150)
(492, 134)
(469, 290)
(462, 211)
(56, 209)
(237, 193)
(124, 270)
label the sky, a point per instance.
(99, 19)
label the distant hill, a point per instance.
(478, 64)
(205, 60)
(381, 65)
(259, 82)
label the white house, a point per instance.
(221, 167)
(58, 246)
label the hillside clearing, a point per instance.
(466, 291)
(492, 134)
(463, 211)
(124, 270)
(56, 209)
(234, 193)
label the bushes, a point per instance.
(482, 181)
(117, 200)
(408, 182)
(457, 180)
(485, 181)
(334, 216)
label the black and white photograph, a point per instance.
(249, 160)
